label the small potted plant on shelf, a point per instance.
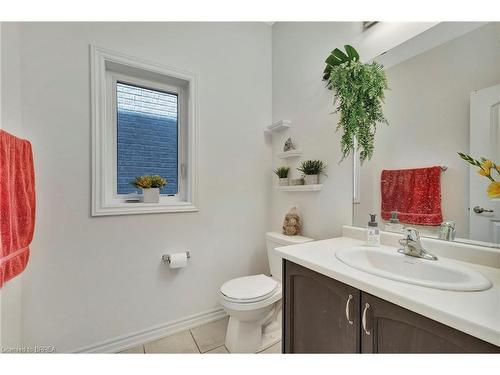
(282, 173)
(311, 169)
(150, 186)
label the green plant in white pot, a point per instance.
(150, 186)
(282, 173)
(312, 169)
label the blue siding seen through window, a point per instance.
(146, 136)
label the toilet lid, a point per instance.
(249, 288)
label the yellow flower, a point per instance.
(485, 169)
(494, 190)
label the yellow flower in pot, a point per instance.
(150, 186)
(485, 168)
(494, 190)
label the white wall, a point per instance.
(11, 311)
(428, 110)
(93, 279)
(299, 95)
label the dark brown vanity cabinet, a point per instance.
(390, 328)
(322, 315)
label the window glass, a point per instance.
(147, 133)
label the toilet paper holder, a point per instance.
(166, 257)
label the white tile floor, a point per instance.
(206, 339)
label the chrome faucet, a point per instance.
(447, 231)
(412, 245)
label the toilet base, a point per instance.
(253, 336)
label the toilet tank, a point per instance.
(274, 240)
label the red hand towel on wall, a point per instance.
(17, 205)
(414, 193)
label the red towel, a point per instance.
(414, 193)
(17, 205)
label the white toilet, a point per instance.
(253, 303)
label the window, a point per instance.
(143, 122)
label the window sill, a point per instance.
(138, 208)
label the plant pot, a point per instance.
(283, 181)
(311, 179)
(151, 195)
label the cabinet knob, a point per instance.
(367, 306)
(347, 309)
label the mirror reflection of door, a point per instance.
(484, 213)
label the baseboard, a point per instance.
(129, 341)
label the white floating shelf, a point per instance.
(316, 187)
(279, 125)
(290, 154)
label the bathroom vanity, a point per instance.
(323, 315)
(330, 307)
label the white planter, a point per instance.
(311, 179)
(283, 181)
(151, 195)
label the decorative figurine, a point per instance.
(288, 145)
(292, 226)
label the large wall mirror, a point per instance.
(444, 98)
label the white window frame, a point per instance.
(107, 68)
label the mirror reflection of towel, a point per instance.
(17, 205)
(414, 193)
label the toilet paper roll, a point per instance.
(178, 260)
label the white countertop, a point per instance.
(475, 313)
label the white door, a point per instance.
(484, 213)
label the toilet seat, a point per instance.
(249, 289)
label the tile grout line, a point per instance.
(217, 347)
(262, 351)
(192, 336)
(194, 340)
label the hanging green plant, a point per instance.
(359, 92)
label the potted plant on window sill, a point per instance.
(282, 173)
(311, 169)
(150, 186)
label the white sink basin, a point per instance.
(388, 263)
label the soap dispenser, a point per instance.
(394, 225)
(373, 232)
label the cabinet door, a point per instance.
(388, 328)
(315, 313)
